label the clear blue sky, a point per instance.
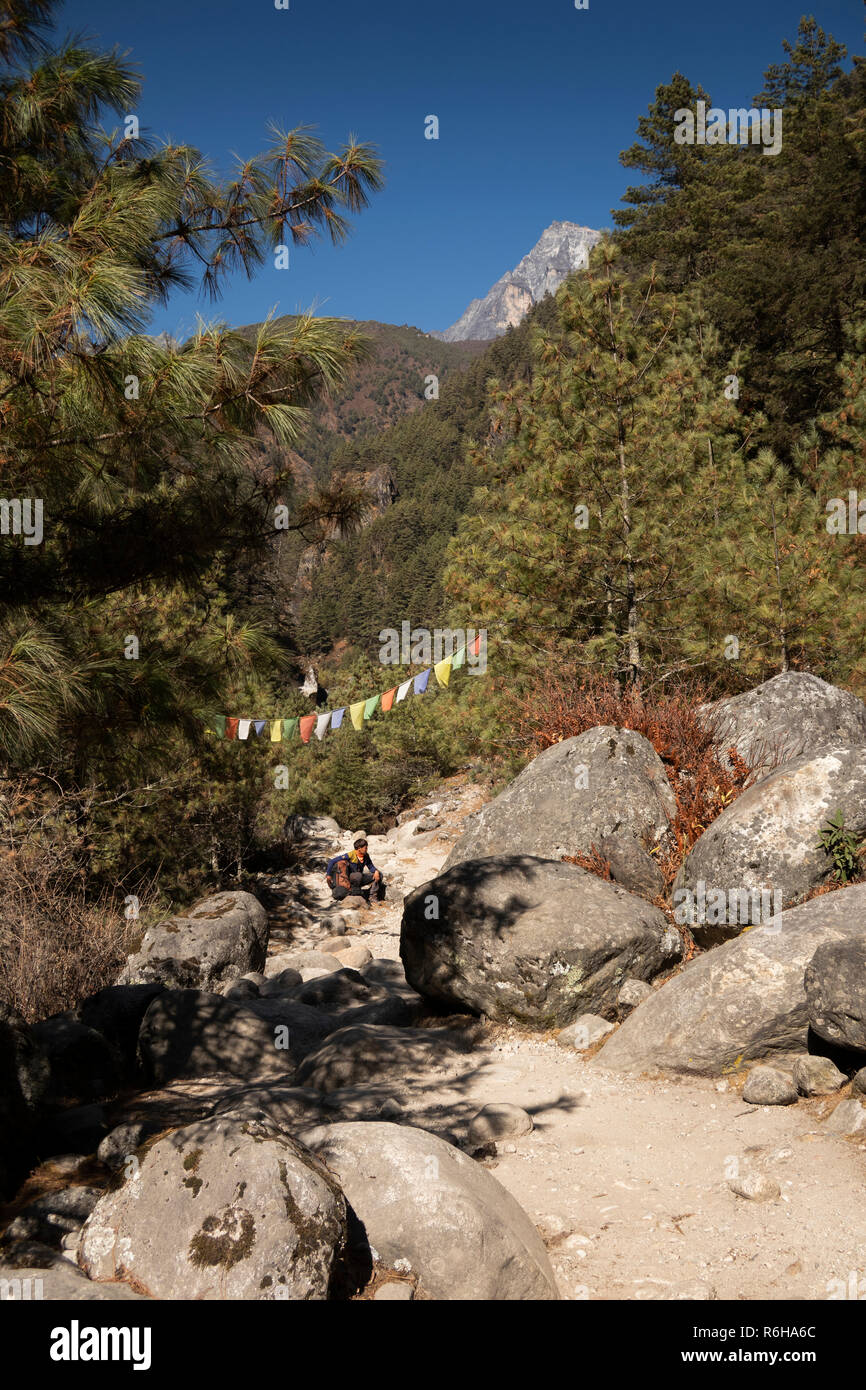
(535, 101)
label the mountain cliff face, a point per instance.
(562, 248)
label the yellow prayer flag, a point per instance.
(276, 730)
(357, 713)
(443, 670)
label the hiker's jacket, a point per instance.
(344, 864)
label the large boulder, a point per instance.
(217, 940)
(223, 1209)
(116, 1012)
(835, 984)
(368, 1052)
(571, 796)
(763, 850)
(190, 1033)
(531, 940)
(25, 1074)
(428, 1209)
(84, 1067)
(791, 716)
(60, 1282)
(742, 1002)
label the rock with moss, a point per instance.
(604, 782)
(787, 717)
(835, 983)
(744, 1001)
(224, 1209)
(531, 940)
(217, 940)
(191, 1033)
(763, 853)
(433, 1213)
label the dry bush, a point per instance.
(564, 706)
(59, 939)
(56, 945)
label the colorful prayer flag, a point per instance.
(388, 698)
(337, 717)
(289, 727)
(244, 728)
(219, 725)
(306, 726)
(276, 730)
(443, 670)
(357, 713)
(232, 728)
(370, 706)
(458, 659)
(420, 684)
(322, 725)
(403, 691)
(259, 725)
(475, 647)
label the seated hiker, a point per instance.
(354, 874)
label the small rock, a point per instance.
(117, 1146)
(631, 866)
(284, 983)
(240, 990)
(332, 944)
(755, 1187)
(848, 1118)
(314, 972)
(395, 1291)
(767, 1086)
(633, 992)
(858, 1081)
(586, 1030)
(300, 960)
(817, 1076)
(355, 957)
(498, 1121)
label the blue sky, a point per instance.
(535, 102)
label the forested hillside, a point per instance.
(391, 571)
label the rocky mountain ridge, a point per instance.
(562, 248)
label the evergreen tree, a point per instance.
(771, 591)
(137, 448)
(584, 534)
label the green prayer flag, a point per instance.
(219, 725)
(458, 659)
(289, 728)
(370, 705)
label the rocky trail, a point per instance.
(504, 1075)
(627, 1177)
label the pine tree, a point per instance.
(138, 448)
(583, 537)
(773, 588)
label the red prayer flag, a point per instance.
(388, 698)
(476, 646)
(307, 724)
(231, 728)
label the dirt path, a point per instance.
(627, 1177)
